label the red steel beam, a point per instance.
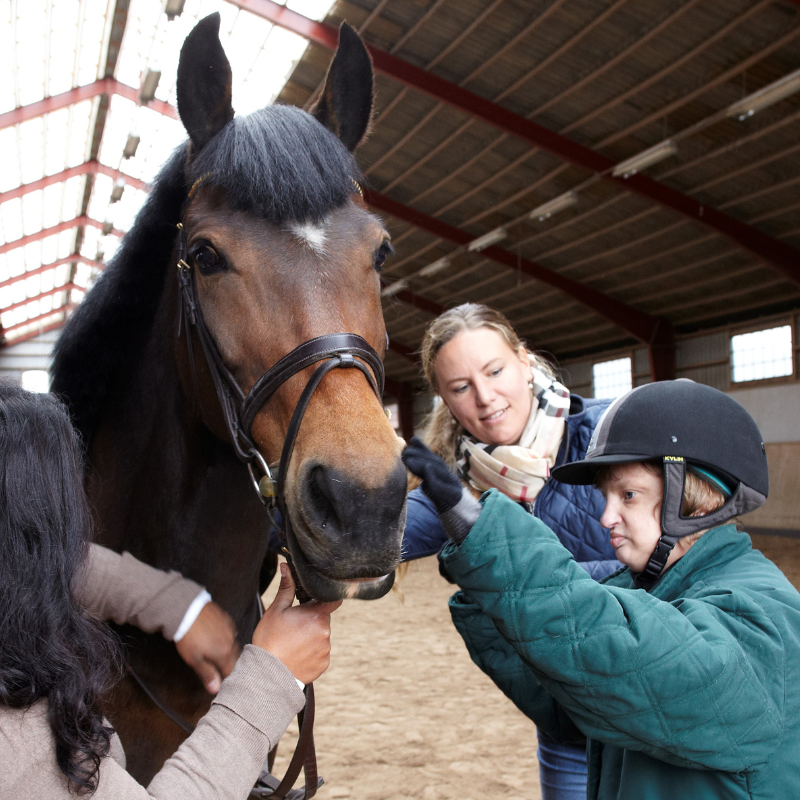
(87, 168)
(784, 257)
(103, 86)
(30, 321)
(46, 267)
(67, 287)
(45, 232)
(635, 322)
(31, 335)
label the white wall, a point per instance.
(36, 353)
(776, 410)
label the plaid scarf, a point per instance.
(520, 470)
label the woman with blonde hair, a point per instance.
(504, 421)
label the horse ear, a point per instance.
(345, 106)
(204, 83)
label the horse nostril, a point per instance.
(321, 498)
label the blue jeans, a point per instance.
(562, 770)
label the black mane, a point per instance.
(278, 163)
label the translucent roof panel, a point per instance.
(48, 47)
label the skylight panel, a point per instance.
(55, 150)
(61, 50)
(30, 51)
(99, 203)
(11, 218)
(32, 212)
(83, 275)
(78, 133)
(127, 208)
(7, 48)
(10, 173)
(31, 149)
(88, 56)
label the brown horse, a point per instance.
(283, 250)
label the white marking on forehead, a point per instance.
(313, 235)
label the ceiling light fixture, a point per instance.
(546, 210)
(394, 288)
(487, 240)
(147, 92)
(646, 158)
(131, 145)
(769, 95)
(117, 190)
(436, 266)
(173, 8)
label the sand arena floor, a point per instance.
(402, 712)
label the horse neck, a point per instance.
(166, 489)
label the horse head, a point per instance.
(283, 250)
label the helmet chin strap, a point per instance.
(675, 526)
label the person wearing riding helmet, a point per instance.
(683, 668)
(504, 422)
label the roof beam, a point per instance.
(75, 258)
(31, 335)
(783, 257)
(637, 323)
(30, 321)
(45, 232)
(87, 168)
(103, 86)
(67, 287)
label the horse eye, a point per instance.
(207, 259)
(381, 254)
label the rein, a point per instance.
(336, 350)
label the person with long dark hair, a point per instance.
(56, 660)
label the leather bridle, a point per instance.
(239, 409)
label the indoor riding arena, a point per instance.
(237, 238)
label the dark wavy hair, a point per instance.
(49, 648)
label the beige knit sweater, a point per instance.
(221, 760)
(224, 756)
(125, 590)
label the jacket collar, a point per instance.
(714, 548)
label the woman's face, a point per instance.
(484, 383)
(633, 496)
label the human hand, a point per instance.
(299, 636)
(441, 486)
(209, 647)
(454, 503)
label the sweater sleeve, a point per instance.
(224, 756)
(424, 534)
(125, 590)
(671, 680)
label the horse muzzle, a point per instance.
(347, 538)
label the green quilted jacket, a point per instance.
(688, 692)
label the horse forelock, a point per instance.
(278, 164)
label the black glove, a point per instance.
(454, 503)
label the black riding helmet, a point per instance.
(687, 425)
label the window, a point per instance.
(36, 380)
(760, 355)
(612, 378)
